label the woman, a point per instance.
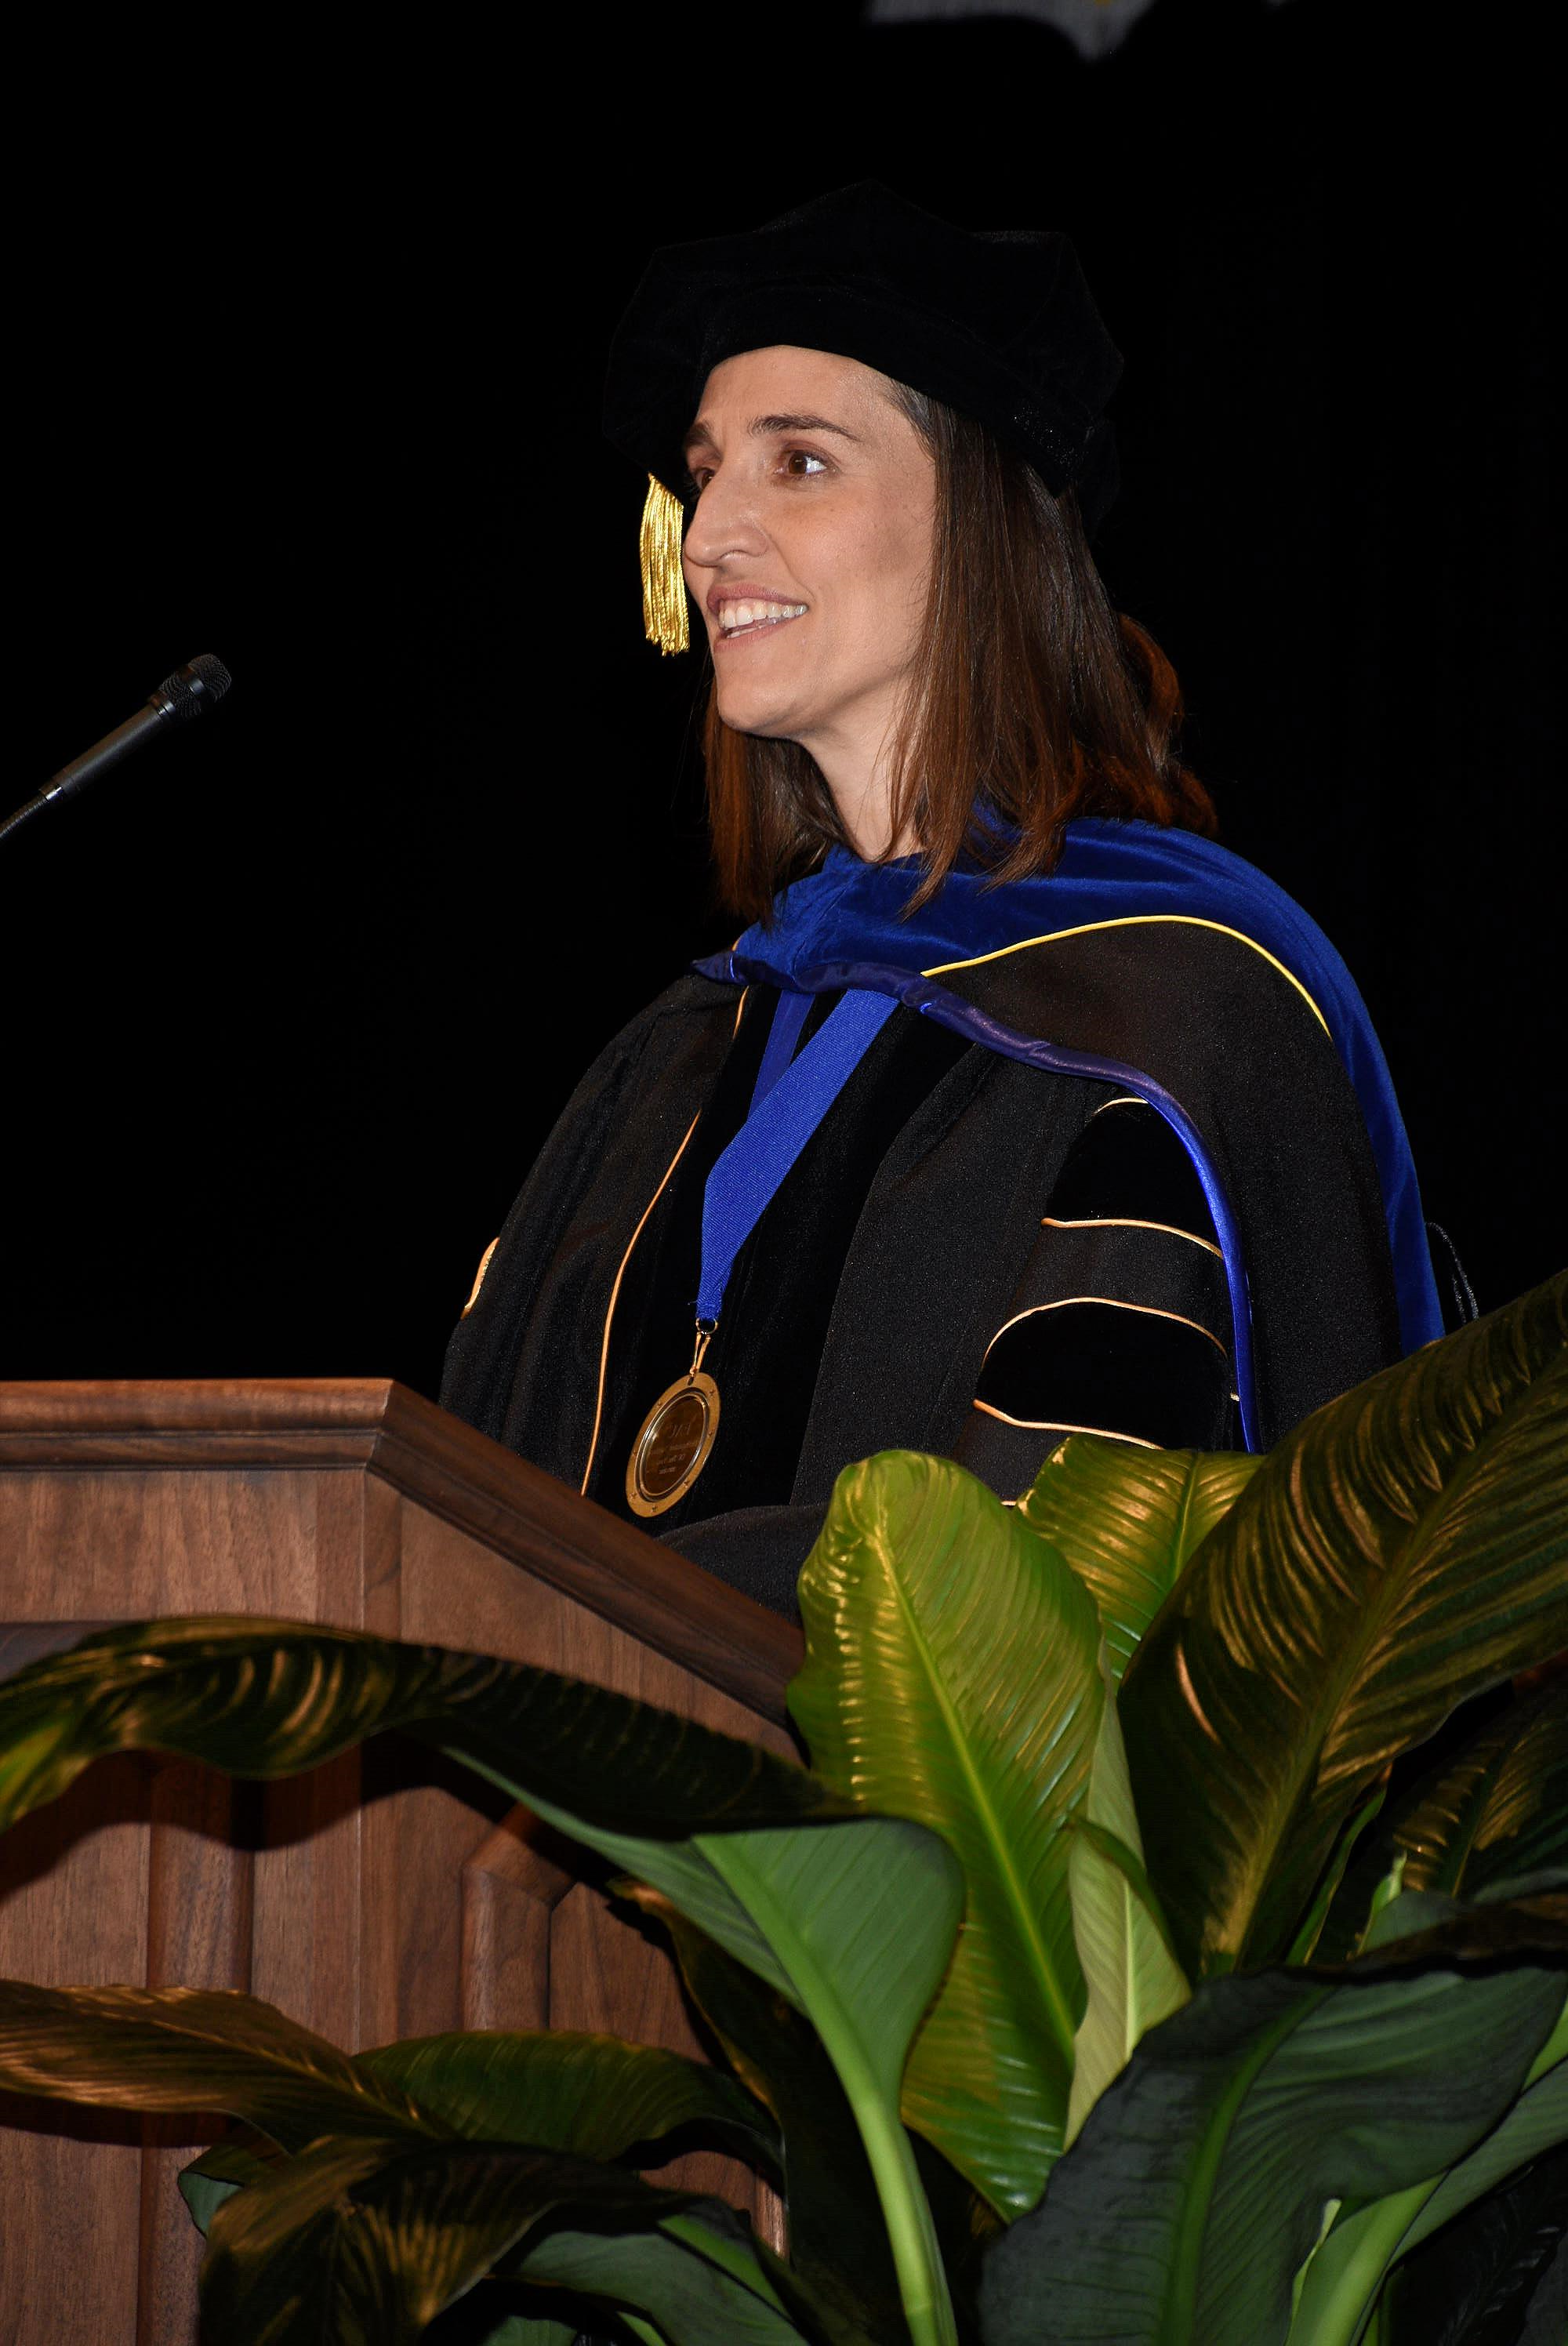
(1020, 1106)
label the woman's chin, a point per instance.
(746, 712)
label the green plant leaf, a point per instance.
(524, 2329)
(1376, 1870)
(837, 2242)
(262, 1698)
(1344, 2272)
(173, 2049)
(1197, 2186)
(860, 1919)
(595, 2097)
(1351, 1841)
(854, 1921)
(271, 1698)
(951, 1675)
(1127, 1520)
(183, 2048)
(1471, 2284)
(1133, 1980)
(1499, 1806)
(698, 2278)
(1400, 1551)
(229, 2165)
(1537, 2122)
(359, 2240)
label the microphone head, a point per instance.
(192, 689)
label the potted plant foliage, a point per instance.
(1114, 1972)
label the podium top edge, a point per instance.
(376, 1427)
(195, 1404)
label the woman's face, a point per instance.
(809, 548)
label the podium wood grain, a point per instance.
(383, 1896)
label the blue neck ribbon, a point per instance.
(792, 1097)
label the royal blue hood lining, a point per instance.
(843, 924)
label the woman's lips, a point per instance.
(739, 611)
(740, 633)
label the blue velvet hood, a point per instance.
(844, 925)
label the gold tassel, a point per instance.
(663, 585)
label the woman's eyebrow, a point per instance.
(762, 426)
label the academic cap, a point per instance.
(997, 323)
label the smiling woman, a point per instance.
(1021, 1107)
(809, 554)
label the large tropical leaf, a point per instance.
(595, 2097)
(860, 1920)
(697, 2275)
(853, 1919)
(1473, 2282)
(183, 2048)
(1198, 2184)
(694, 2266)
(1132, 1978)
(838, 2240)
(610, 2266)
(175, 2049)
(1127, 1520)
(1350, 1884)
(227, 2167)
(1375, 1869)
(951, 1675)
(261, 1698)
(511, 2329)
(1402, 1550)
(1348, 2267)
(1501, 1805)
(355, 2242)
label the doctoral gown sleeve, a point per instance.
(1120, 1323)
(1197, 1016)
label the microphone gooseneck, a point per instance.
(177, 700)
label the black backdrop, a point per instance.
(310, 370)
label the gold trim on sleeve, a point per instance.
(479, 1277)
(1113, 1303)
(1126, 1222)
(1055, 1425)
(1135, 920)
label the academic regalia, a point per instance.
(1111, 1148)
(1125, 1157)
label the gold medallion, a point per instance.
(672, 1445)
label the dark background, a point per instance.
(312, 344)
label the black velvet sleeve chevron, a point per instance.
(1121, 1323)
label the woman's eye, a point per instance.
(800, 465)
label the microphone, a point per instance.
(178, 699)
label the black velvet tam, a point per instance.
(999, 324)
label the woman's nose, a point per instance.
(726, 522)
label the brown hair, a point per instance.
(1038, 701)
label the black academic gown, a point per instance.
(972, 1256)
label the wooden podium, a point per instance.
(378, 1897)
